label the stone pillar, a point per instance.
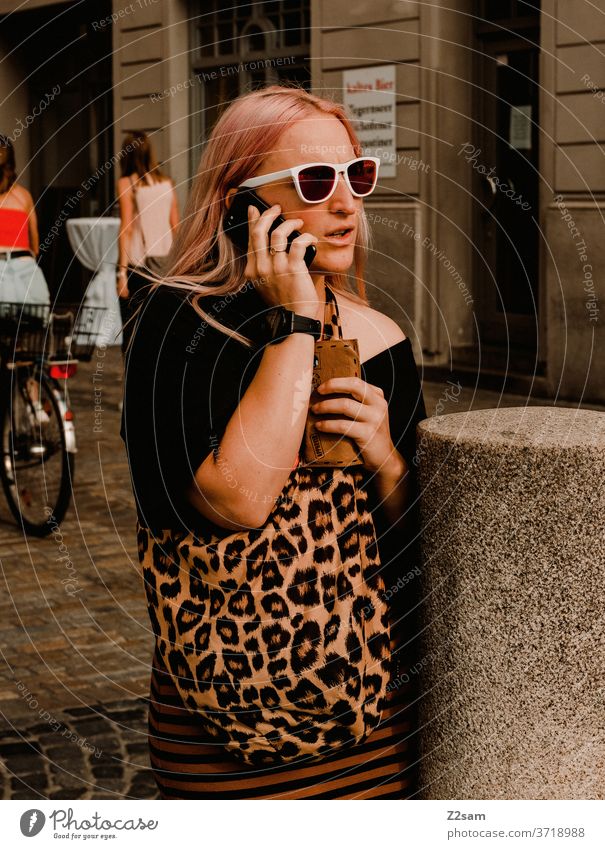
(513, 555)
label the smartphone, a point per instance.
(236, 222)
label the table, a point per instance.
(94, 241)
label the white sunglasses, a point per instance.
(317, 181)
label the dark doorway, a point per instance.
(506, 162)
(71, 141)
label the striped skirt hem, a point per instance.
(187, 766)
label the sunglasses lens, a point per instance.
(316, 182)
(362, 176)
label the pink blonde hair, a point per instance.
(247, 130)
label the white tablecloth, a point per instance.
(95, 243)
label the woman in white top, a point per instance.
(149, 215)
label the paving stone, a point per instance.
(9, 750)
(24, 763)
(60, 753)
(67, 794)
(27, 794)
(88, 727)
(35, 779)
(107, 771)
(80, 711)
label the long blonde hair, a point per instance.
(248, 129)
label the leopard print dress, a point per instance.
(273, 646)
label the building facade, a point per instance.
(487, 224)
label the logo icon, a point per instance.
(32, 822)
(301, 396)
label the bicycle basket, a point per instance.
(81, 328)
(68, 331)
(23, 328)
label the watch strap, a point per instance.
(293, 323)
(304, 324)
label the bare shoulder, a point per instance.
(374, 330)
(20, 194)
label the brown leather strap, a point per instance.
(331, 316)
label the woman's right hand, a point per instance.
(122, 286)
(282, 279)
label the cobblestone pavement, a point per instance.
(74, 669)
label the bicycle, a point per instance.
(39, 351)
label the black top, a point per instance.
(183, 381)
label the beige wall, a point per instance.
(337, 46)
(580, 118)
(574, 173)
(446, 318)
(427, 205)
(431, 46)
(151, 78)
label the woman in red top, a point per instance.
(21, 279)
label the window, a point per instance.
(238, 49)
(493, 16)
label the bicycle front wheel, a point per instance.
(36, 469)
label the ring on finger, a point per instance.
(273, 250)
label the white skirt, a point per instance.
(22, 281)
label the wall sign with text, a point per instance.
(369, 94)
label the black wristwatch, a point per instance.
(281, 323)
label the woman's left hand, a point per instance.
(365, 419)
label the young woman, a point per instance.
(250, 557)
(21, 278)
(148, 217)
